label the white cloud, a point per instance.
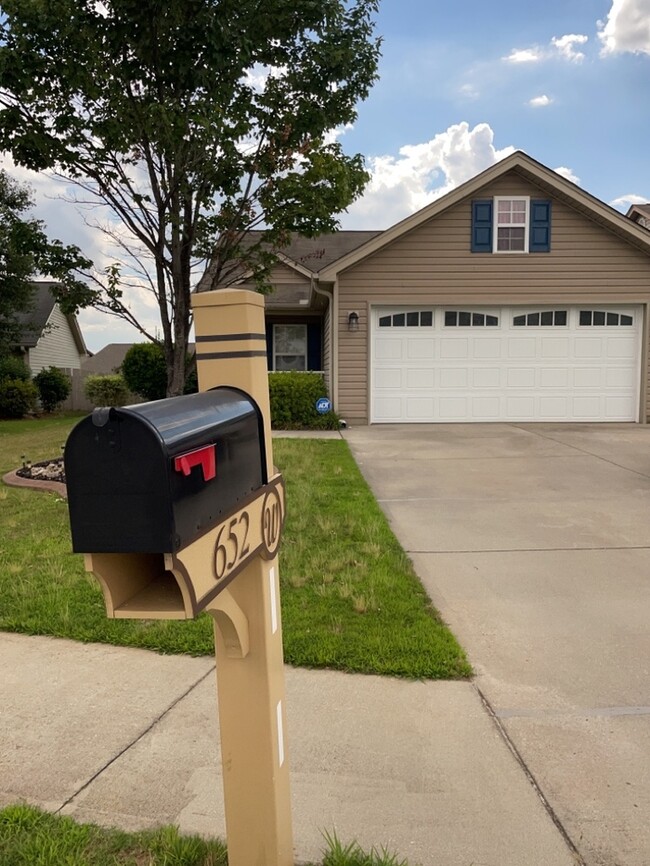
(401, 185)
(566, 46)
(468, 91)
(567, 174)
(540, 101)
(627, 27)
(623, 202)
(524, 55)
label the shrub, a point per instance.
(53, 388)
(293, 402)
(145, 371)
(17, 398)
(106, 390)
(14, 368)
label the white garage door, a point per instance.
(505, 364)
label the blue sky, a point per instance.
(462, 84)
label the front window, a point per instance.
(290, 347)
(511, 235)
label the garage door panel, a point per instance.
(522, 348)
(486, 377)
(416, 350)
(454, 371)
(487, 348)
(419, 378)
(388, 350)
(521, 377)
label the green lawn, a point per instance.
(350, 599)
(29, 837)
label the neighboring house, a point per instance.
(518, 296)
(106, 361)
(640, 213)
(50, 338)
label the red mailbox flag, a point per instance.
(205, 457)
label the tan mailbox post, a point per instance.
(178, 508)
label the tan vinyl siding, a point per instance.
(433, 264)
(57, 347)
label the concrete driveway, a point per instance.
(534, 543)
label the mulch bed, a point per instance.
(45, 475)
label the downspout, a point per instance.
(331, 302)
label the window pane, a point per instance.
(464, 319)
(478, 319)
(599, 317)
(547, 318)
(412, 319)
(290, 362)
(451, 318)
(626, 320)
(585, 317)
(560, 317)
(533, 318)
(398, 320)
(290, 339)
(511, 239)
(384, 321)
(491, 320)
(426, 318)
(612, 318)
(519, 320)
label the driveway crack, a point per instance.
(531, 778)
(135, 741)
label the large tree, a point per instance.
(25, 253)
(193, 122)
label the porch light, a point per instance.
(353, 321)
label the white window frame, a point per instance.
(525, 225)
(290, 325)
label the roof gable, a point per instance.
(542, 176)
(34, 322)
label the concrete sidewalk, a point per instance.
(128, 738)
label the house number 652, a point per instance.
(232, 545)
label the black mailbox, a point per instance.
(153, 477)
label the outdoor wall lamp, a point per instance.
(353, 321)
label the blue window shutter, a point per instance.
(482, 226)
(314, 346)
(540, 226)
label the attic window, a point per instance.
(511, 235)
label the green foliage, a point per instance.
(53, 388)
(110, 390)
(12, 367)
(338, 854)
(145, 371)
(25, 251)
(30, 837)
(156, 134)
(293, 402)
(17, 398)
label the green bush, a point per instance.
(145, 371)
(14, 368)
(53, 388)
(293, 402)
(17, 398)
(107, 390)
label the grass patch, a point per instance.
(30, 837)
(350, 598)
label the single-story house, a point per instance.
(49, 338)
(518, 296)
